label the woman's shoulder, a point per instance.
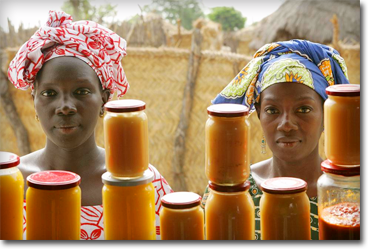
(260, 171)
(30, 163)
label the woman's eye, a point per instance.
(271, 111)
(82, 92)
(48, 93)
(304, 110)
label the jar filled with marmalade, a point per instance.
(227, 148)
(342, 124)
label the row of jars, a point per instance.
(53, 203)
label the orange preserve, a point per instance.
(342, 124)
(11, 197)
(53, 204)
(181, 217)
(126, 138)
(339, 197)
(227, 146)
(129, 208)
(230, 213)
(284, 209)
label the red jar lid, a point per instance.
(344, 90)
(229, 189)
(180, 200)
(125, 105)
(284, 185)
(227, 110)
(8, 160)
(53, 180)
(328, 167)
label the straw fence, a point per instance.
(158, 76)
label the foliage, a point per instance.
(228, 17)
(84, 10)
(187, 11)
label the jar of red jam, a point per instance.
(339, 197)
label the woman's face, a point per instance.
(68, 99)
(291, 115)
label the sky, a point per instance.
(35, 12)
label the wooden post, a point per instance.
(180, 183)
(335, 36)
(11, 113)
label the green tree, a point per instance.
(84, 10)
(187, 11)
(228, 17)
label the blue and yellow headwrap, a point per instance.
(315, 65)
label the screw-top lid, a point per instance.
(284, 185)
(53, 180)
(125, 105)
(8, 160)
(227, 110)
(180, 200)
(227, 189)
(344, 90)
(328, 167)
(147, 177)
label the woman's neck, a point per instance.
(308, 169)
(80, 159)
(303, 168)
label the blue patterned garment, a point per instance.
(315, 65)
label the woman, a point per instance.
(285, 83)
(74, 68)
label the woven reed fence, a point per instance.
(158, 77)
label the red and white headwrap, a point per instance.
(96, 45)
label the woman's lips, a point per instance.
(284, 143)
(67, 129)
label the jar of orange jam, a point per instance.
(126, 138)
(342, 124)
(284, 209)
(53, 205)
(339, 197)
(227, 151)
(230, 213)
(11, 197)
(181, 217)
(129, 208)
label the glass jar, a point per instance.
(227, 139)
(126, 138)
(284, 209)
(181, 217)
(129, 208)
(339, 197)
(342, 124)
(11, 197)
(53, 206)
(230, 213)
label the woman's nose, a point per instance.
(66, 107)
(287, 123)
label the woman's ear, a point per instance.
(105, 95)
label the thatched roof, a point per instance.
(310, 20)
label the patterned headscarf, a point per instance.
(312, 64)
(101, 48)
